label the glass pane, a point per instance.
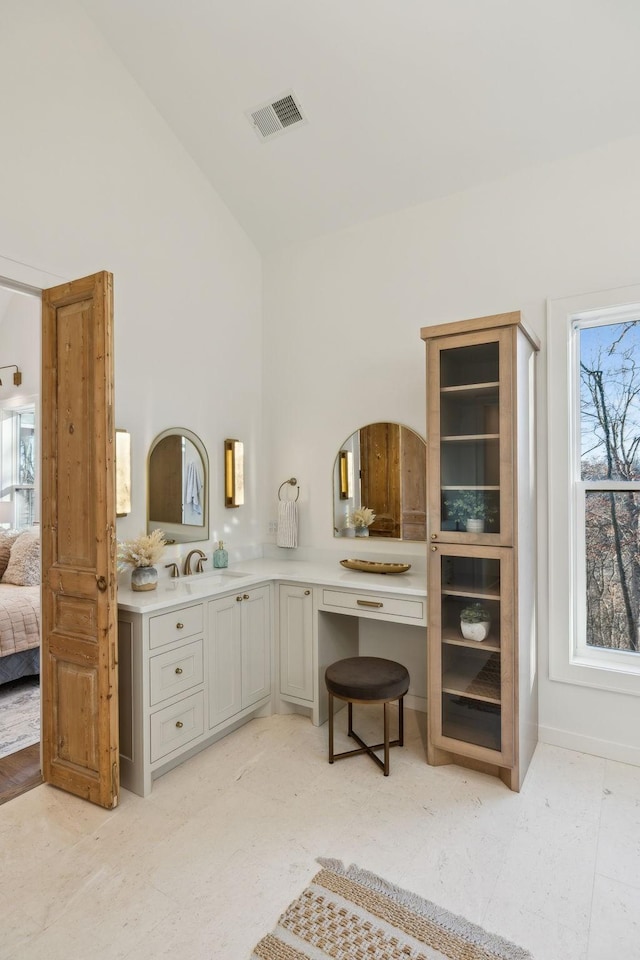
(610, 401)
(470, 439)
(471, 721)
(471, 577)
(26, 452)
(612, 556)
(471, 663)
(467, 365)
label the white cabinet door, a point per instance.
(256, 646)
(225, 658)
(296, 642)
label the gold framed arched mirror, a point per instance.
(383, 467)
(178, 486)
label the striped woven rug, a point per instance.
(348, 913)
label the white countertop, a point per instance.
(211, 583)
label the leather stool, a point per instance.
(367, 680)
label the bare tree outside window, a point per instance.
(610, 465)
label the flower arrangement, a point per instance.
(362, 517)
(469, 503)
(144, 551)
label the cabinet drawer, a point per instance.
(168, 627)
(175, 671)
(176, 725)
(377, 605)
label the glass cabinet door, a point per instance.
(470, 482)
(471, 651)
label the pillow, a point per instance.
(7, 540)
(23, 568)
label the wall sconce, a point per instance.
(346, 474)
(123, 473)
(233, 473)
(17, 377)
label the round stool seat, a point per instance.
(367, 678)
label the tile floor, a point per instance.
(202, 868)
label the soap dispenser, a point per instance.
(220, 556)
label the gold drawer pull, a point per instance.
(179, 626)
(179, 724)
(369, 603)
(307, 593)
(239, 599)
(178, 669)
(245, 596)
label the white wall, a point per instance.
(93, 179)
(19, 345)
(342, 321)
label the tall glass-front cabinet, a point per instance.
(482, 545)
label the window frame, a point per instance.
(570, 659)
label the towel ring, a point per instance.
(293, 482)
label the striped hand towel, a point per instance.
(287, 523)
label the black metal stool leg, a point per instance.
(386, 740)
(401, 721)
(330, 728)
(350, 718)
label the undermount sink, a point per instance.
(212, 576)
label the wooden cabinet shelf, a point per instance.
(473, 593)
(474, 390)
(465, 438)
(481, 524)
(490, 643)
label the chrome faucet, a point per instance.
(187, 563)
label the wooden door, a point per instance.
(79, 612)
(413, 464)
(380, 477)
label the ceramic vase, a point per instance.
(362, 531)
(475, 631)
(144, 578)
(475, 526)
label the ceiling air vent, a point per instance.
(271, 119)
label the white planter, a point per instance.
(475, 631)
(475, 526)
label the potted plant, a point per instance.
(142, 554)
(361, 519)
(471, 508)
(475, 621)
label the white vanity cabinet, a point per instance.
(187, 676)
(295, 631)
(239, 644)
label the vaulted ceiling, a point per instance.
(406, 100)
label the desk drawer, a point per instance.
(168, 627)
(176, 725)
(377, 605)
(175, 671)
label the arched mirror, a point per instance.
(381, 467)
(178, 486)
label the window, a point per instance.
(606, 406)
(594, 489)
(18, 463)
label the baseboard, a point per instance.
(597, 748)
(412, 702)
